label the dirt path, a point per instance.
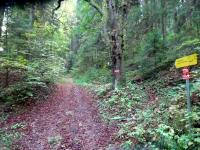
(69, 120)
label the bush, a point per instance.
(35, 79)
(92, 75)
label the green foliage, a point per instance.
(53, 141)
(121, 102)
(37, 75)
(33, 56)
(161, 125)
(90, 53)
(127, 145)
(8, 137)
(152, 35)
(91, 76)
(3, 117)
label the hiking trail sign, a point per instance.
(186, 61)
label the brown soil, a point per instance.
(68, 120)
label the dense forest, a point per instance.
(115, 56)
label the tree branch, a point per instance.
(58, 6)
(95, 6)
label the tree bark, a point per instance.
(2, 10)
(115, 39)
(32, 20)
(115, 22)
(7, 78)
(163, 19)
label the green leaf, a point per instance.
(197, 140)
(29, 94)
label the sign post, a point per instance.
(186, 77)
(186, 62)
(188, 95)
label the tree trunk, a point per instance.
(115, 39)
(2, 10)
(114, 28)
(196, 4)
(32, 20)
(163, 19)
(7, 78)
(6, 32)
(116, 59)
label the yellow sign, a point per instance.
(186, 61)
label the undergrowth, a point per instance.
(161, 124)
(9, 134)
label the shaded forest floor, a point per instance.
(72, 118)
(69, 119)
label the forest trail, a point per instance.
(68, 120)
